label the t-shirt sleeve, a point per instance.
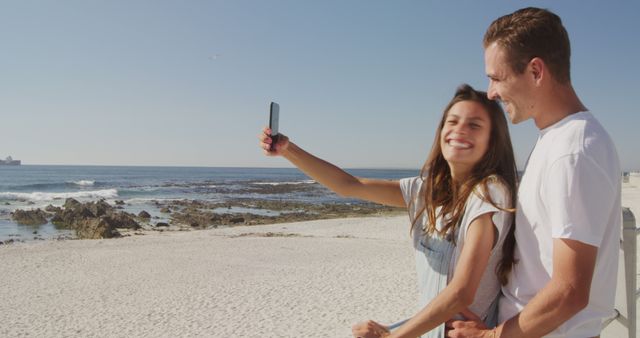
(408, 187)
(576, 192)
(478, 206)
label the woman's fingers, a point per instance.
(369, 329)
(266, 142)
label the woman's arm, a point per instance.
(461, 290)
(332, 177)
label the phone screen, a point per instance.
(274, 116)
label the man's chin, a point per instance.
(515, 119)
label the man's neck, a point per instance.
(560, 102)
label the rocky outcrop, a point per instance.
(93, 220)
(204, 214)
(52, 209)
(195, 218)
(71, 203)
(204, 219)
(29, 217)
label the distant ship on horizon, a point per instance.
(10, 161)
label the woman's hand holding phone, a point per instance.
(281, 144)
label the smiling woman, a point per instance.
(459, 210)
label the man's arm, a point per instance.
(565, 295)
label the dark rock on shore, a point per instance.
(144, 214)
(162, 224)
(52, 209)
(67, 217)
(119, 202)
(95, 228)
(93, 220)
(285, 188)
(195, 214)
(122, 220)
(71, 203)
(29, 217)
(195, 218)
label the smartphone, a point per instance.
(274, 116)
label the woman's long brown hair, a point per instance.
(498, 163)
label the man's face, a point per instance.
(511, 89)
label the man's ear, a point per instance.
(538, 70)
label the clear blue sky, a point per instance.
(360, 83)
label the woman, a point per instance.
(459, 207)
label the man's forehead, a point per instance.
(494, 60)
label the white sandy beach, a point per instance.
(312, 279)
(208, 283)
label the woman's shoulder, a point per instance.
(497, 184)
(411, 183)
(411, 187)
(493, 188)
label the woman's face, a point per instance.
(464, 138)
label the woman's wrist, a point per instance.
(288, 150)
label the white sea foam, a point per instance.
(84, 183)
(50, 196)
(283, 183)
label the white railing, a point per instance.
(625, 313)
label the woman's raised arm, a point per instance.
(344, 184)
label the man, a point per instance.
(568, 214)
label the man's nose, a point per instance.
(492, 94)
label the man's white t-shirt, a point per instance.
(570, 190)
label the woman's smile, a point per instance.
(458, 143)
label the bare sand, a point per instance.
(307, 279)
(311, 279)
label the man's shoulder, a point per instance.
(581, 135)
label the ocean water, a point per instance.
(31, 186)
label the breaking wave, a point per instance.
(84, 183)
(50, 196)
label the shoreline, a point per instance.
(179, 215)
